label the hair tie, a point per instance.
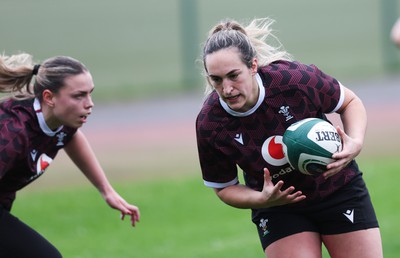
(35, 69)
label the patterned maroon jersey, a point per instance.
(289, 92)
(27, 146)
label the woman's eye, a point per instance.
(216, 79)
(78, 96)
(233, 76)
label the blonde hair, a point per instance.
(17, 72)
(16, 75)
(255, 40)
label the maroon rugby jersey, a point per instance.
(289, 92)
(27, 146)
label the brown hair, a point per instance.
(17, 72)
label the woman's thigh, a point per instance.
(300, 245)
(19, 240)
(361, 243)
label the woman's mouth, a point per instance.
(232, 99)
(84, 118)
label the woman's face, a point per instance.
(234, 82)
(73, 103)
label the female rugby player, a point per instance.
(254, 92)
(35, 123)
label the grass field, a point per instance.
(180, 218)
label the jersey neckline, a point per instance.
(261, 96)
(42, 122)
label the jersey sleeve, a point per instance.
(218, 170)
(12, 142)
(324, 91)
(341, 98)
(301, 82)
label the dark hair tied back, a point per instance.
(35, 69)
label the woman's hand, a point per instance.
(349, 151)
(243, 197)
(274, 196)
(114, 200)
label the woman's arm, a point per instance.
(395, 33)
(354, 119)
(81, 153)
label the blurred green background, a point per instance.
(143, 55)
(138, 48)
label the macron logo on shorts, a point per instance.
(350, 215)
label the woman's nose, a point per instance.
(89, 103)
(227, 87)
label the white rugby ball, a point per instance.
(309, 144)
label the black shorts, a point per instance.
(18, 240)
(349, 209)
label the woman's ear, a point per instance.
(254, 66)
(48, 97)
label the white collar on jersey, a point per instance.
(42, 122)
(261, 96)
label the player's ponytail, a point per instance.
(17, 72)
(268, 47)
(16, 75)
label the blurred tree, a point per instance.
(190, 43)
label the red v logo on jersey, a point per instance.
(272, 151)
(43, 162)
(275, 148)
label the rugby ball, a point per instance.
(308, 145)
